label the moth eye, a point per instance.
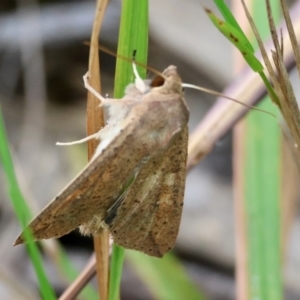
(157, 81)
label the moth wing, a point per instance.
(148, 219)
(95, 189)
(92, 192)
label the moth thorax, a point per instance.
(133, 91)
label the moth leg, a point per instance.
(96, 94)
(92, 90)
(92, 136)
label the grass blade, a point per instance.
(230, 19)
(23, 213)
(261, 188)
(262, 196)
(238, 39)
(133, 36)
(165, 278)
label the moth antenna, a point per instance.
(212, 92)
(93, 136)
(112, 53)
(92, 90)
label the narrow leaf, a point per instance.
(133, 37)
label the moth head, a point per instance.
(169, 79)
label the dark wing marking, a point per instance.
(112, 211)
(148, 219)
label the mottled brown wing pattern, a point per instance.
(94, 190)
(146, 139)
(150, 223)
(84, 196)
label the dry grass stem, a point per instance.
(292, 34)
(85, 276)
(280, 79)
(94, 124)
(247, 88)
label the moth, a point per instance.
(134, 184)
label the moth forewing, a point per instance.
(149, 218)
(88, 194)
(145, 139)
(91, 193)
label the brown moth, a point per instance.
(134, 184)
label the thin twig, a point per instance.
(85, 276)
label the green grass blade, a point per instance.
(23, 213)
(133, 36)
(233, 32)
(165, 277)
(238, 40)
(116, 266)
(262, 176)
(263, 192)
(230, 19)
